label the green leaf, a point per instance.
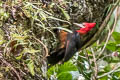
(65, 13)
(111, 46)
(19, 57)
(30, 50)
(51, 70)
(60, 69)
(18, 36)
(116, 76)
(65, 76)
(116, 36)
(104, 78)
(107, 68)
(30, 65)
(118, 48)
(68, 66)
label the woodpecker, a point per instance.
(70, 44)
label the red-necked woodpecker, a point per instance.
(70, 44)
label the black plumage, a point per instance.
(72, 44)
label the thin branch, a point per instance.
(11, 67)
(108, 37)
(110, 33)
(46, 49)
(112, 71)
(104, 57)
(89, 61)
(95, 63)
(82, 57)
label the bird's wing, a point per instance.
(56, 56)
(70, 47)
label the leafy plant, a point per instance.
(64, 72)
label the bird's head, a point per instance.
(87, 27)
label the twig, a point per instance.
(82, 57)
(112, 71)
(95, 63)
(12, 68)
(104, 57)
(46, 49)
(5, 49)
(88, 59)
(46, 29)
(110, 33)
(108, 37)
(89, 62)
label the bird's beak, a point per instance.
(79, 25)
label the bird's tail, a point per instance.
(56, 56)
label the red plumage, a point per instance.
(88, 27)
